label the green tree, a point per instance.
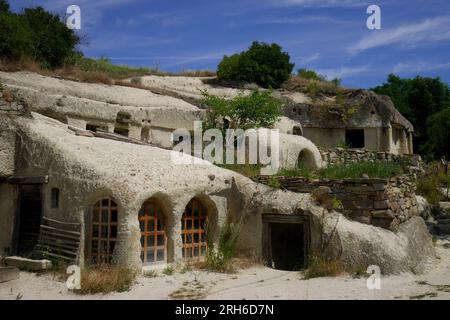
(4, 6)
(258, 109)
(438, 132)
(15, 37)
(264, 64)
(53, 42)
(418, 99)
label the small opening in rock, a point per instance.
(354, 138)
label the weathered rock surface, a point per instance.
(408, 249)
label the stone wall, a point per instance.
(343, 155)
(380, 202)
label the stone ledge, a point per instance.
(28, 264)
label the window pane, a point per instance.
(113, 232)
(95, 215)
(104, 232)
(160, 255)
(150, 256)
(151, 241)
(105, 215)
(160, 240)
(113, 215)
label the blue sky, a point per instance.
(329, 36)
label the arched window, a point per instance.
(193, 230)
(153, 235)
(103, 235)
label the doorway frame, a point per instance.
(299, 218)
(19, 182)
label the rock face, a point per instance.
(408, 249)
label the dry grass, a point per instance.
(322, 267)
(313, 87)
(105, 279)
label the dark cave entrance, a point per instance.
(286, 241)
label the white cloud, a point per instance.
(414, 34)
(311, 58)
(415, 67)
(343, 72)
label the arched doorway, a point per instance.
(306, 160)
(194, 230)
(103, 234)
(153, 235)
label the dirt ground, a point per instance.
(255, 282)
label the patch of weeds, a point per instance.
(274, 183)
(218, 258)
(359, 272)
(300, 171)
(188, 294)
(380, 169)
(187, 267)
(319, 266)
(423, 296)
(151, 274)
(106, 278)
(169, 270)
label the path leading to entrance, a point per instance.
(256, 282)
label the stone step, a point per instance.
(8, 274)
(28, 264)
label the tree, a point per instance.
(258, 109)
(4, 6)
(438, 132)
(264, 64)
(15, 37)
(418, 99)
(53, 42)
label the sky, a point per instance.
(329, 36)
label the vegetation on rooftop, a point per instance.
(264, 64)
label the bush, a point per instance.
(319, 266)
(310, 74)
(429, 187)
(106, 278)
(53, 42)
(37, 34)
(264, 64)
(259, 109)
(219, 259)
(15, 37)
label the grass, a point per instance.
(91, 70)
(322, 267)
(218, 258)
(358, 169)
(314, 87)
(169, 270)
(105, 279)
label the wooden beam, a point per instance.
(28, 180)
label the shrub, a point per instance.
(53, 41)
(169, 270)
(264, 64)
(219, 259)
(310, 74)
(258, 109)
(319, 266)
(428, 187)
(105, 279)
(15, 37)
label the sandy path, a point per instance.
(255, 282)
